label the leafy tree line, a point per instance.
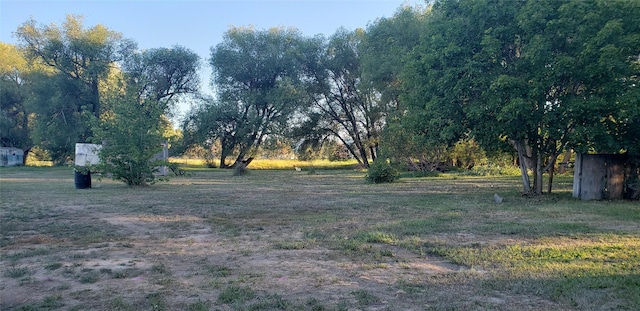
(269, 84)
(279, 83)
(535, 78)
(426, 86)
(539, 76)
(67, 84)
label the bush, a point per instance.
(381, 171)
(467, 153)
(131, 136)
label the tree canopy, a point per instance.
(64, 98)
(257, 77)
(14, 116)
(541, 75)
(535, 78)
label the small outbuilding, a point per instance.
(600, 176)
(10, 156)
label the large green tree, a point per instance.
(162, 74)
(14, 116)
(355, 85)
(214, 123)
(542, 75)
(384, 52)
(343, 107)
(257, 77)
(65, 97)
(385, 48)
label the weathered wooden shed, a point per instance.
(599, 176)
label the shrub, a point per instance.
(381, 171)
(467, 153)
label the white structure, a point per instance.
(163, 156)
(10, 156)
(87, 154)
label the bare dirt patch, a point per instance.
(270, 241)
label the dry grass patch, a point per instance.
(286, 240)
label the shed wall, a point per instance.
(599, 176)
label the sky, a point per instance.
(197, 25)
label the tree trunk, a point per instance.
(95, 92)
(523, 165)
(538, 171)
(247, 161)
(565, 162)
(25, 154)
(223, 156)
(349, 147)
(238, 161)
(362, 149)
(365, 159)
(551, 168)
(550, 185)
(357, 141)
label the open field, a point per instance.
(288, 240)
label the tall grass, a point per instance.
(270, 164)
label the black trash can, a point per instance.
(83, 181)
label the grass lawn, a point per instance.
(291, 240)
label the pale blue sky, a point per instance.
(197, 25)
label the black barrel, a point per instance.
(83, 181)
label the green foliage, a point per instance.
(385, 48)
(157, 301)
(344, 107)
(377, 237)
(419, 153)
(16, 272)
(132, 137)
(14, 129)
(236, 294)
(60, 119)
(381, 171)
(467, 153)
(72, 79)
(520, 72)
(254, 101)
(68, 92)
(163, 74)
(134, 131)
